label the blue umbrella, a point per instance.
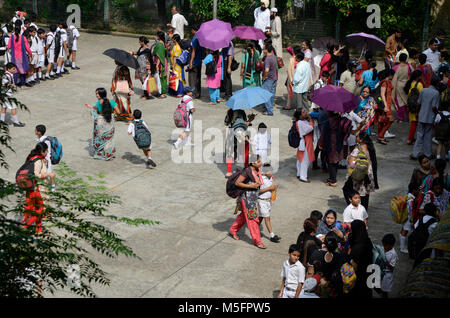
(248, 98)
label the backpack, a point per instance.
(379, 257)
(361, 167)
(57, 151)
(294, 135)
(398, 209)
(142, 135)
(442, 131)
(413, 97)
(184, 58)
(445, 97)
(376, 95)
(25, 177)
(211, 68)
(57, 40)
(418, 238)
(239, 123)
(181, 114)
(232, 190)
(70, 38)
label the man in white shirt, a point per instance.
(262, 18)
(355, 211)
(178, 22)
(300, 82)
(432, 54)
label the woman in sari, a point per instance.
(249, 75)
(122, 99)
(20, 54)
(176, 67)
(161, 59)
(249, 182)
(102, 142)
(144, 55)
(366, 109)
(402, 73)
(305, 151)
(386, 118)
(290, 75)
(34, 201)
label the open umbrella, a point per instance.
(249, 97)
(359, 41)
(215, 34)
(334, 98)
(248, 32)
(321, 43)
(122, 57)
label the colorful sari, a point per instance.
(366, 110)
(103, 137)
(160, 56)
(250, 76)
(19, 51)
(122, 73)
(177, 70)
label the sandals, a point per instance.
(330, 184)
(261, 246)
(382, 141)
(234, 236)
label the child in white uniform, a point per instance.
(264, 200)
(50, 52)
(34, 50)
(7, 88)
(190, 108)
(40, 53)
(40, 131)
(262, 142)
(388, 242)
(137, 114)
(73, 51)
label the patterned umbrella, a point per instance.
(215, 34)
(248, 32)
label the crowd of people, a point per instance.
(330, 258)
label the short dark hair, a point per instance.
(300, 55)
(195, 26)
(64, 25)
(26, 21)
(262, 125)
(42, 129)
(137, 114)
(403, 57)
(143, 39)
(331, 241)
(445, 55)
(40, 31)
(432, 41)
(435, 81)
(293, 248)
(10, 65)
(422, 58)
(326, 74)
(53, 27)
(430, 209)
(316, 214)
(388, 239)
(440, 32)
(353, 193)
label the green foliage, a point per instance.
(227, 10)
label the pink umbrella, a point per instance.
(248, 32)
(215, 34)
(366, 41)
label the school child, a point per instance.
(136, 126)
(441, 131)
(8, 88)
(317, 215)
(262, 142)
(292, 274)
(33, 20)
(40, 54)
(73, 50)
(50, 52)
(30, 34)
(309, 289)
(355, 211)
(25, 25)
(9, 32)
(387, 282)
(265, 200)
(39, 131)
(411, 206)
(64, 50)
(187, 98)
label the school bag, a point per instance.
(211, 68)
(57, 40)
(25, 177)
(57, 151)
(346, 127)
(184, 58)
(294, 135)
(379, 257)
(418, 238)
(142, 135)
(361, 169)
(181, 114)
(376, 95)
(70, 39)
(413, 97)
(398, 209)
(442, 131)
(239, 123)
(232, 190)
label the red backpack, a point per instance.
(25, 177)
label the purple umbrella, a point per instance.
(359, 40)
(334, 98)
(248, 32)
(215, 34)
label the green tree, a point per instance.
(72, 232)
(227, 10)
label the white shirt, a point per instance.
(262, 19)
(392, 258)
(301, 78)
(51, 41)
(262, 141)
(7, 79)
(34, 44)
(63, 37)
(40, 46)
(425, 219)
(432, 58)
(178, 22)
(355, 119)
(351, 213)
(189, 105)
(266, 183)
(131, 127)
(304, 128)
(294, 274)
(49, 152)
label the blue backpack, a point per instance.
(142, 135)
(183, 59)
(57, 151)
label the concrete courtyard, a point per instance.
(190, 253)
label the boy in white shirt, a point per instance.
(7, 88)
(387, 282)
(63, 52)
(132, 129)
(50, 52)
(292, 274)
(34, 59)
(187, 98)
(74, 48)
(40, 54)
(321, 82)
(355, 211)
(262, 142)
(264, 200)
(41, 137)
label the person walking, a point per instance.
(226, 84)
(307, 50)
(249, 75)
(143, 55)
(325, 62)
(270, 77)
(429, 102)
(305, 151)
(402, 73)
(391, 48)
(195, 64)
(178, 22)
(413, 82)
(290, 75)
(176, 67)
(213, 81)
(432, 54)
(262, 18)
(121, 89)
(385, 118)
(301, 81)
(275, 32)
(161, 59)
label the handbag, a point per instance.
(348, 277)
(280, 62)
(152, 87)
(234, 65)
(122, 87)
(173, 81)
(259, 66)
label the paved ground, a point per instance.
(190, 254)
